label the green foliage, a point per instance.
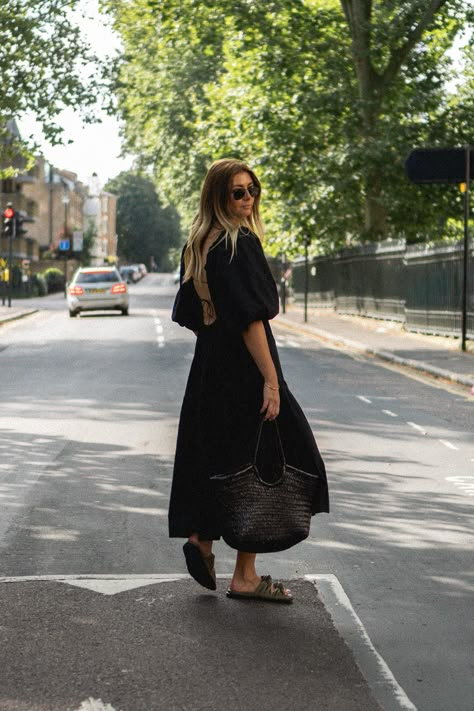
(324, 99)
(40, 285)
(145, 228)
(54, 278)
(45, 66)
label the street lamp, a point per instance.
(65, 200)
(307, 241)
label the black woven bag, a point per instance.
(258, 516)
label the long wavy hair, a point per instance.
(214, 210)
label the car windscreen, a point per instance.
(95, 277)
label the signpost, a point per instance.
(447, 165)
(77, 241)
(9, 230)
(307, 241)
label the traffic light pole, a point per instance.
(11, 237)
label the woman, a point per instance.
(227, 296)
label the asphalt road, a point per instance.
(87, 433)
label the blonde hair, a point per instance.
(214, 208)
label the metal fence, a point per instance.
(417, 285)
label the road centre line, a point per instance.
(390, 413)
(417, 427)
(447, 444)
(365, 399)
(91, 704)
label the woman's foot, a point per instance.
(200, 562)
(264, 589)
(204, 546)
(246, 583)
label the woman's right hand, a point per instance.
(271, 401)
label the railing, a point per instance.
(418, 285)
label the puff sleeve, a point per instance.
(187, 309)
(242, 287)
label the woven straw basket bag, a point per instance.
(258, 516)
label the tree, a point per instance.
(326, 104)
(386, 38)
(145, 228)
(45, 66)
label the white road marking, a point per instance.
(417, 427)
(293, 344)
(104, 584)
(390, 413)
(364, 399)
(465, 483)
(159, 331)
(383, 684)
(448, 444)
(95, 705)
(112, 587)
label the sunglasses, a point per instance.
(238, 193)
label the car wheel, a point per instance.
(125, 312)
(73, 314)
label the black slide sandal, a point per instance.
(199, 567)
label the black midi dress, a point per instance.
(220, 413)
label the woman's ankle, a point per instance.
(204, 546)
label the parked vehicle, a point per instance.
(140, 273)
(97, 289)
(130, 274)
(143, 270)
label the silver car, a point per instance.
(97, 289)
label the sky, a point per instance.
(95, 148)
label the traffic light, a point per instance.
(9, 221)
(20, 230)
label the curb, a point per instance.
(15, 317)
(383, 355)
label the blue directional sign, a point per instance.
(64, 245)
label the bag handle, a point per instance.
(279, 443)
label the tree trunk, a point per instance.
(373, 86)
(375, 213)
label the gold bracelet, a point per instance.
(270, 387)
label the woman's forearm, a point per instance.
(255, 339)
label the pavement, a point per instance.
(14, 312)
(439, 356)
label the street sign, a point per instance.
(64, 245)
(77, 241)
(438, 165)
